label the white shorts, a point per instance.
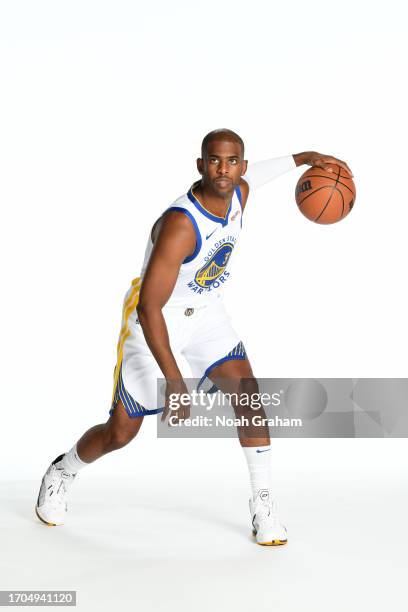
(203, 335)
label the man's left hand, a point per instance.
(312, 158)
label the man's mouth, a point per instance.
(223, 181)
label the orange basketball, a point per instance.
(325, 197)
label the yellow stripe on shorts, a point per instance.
(128, 307)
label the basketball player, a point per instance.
(176, 306)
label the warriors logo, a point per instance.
(214, 267)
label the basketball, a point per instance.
(325, 197)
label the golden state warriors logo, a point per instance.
(215, 266)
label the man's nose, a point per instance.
(223, 167)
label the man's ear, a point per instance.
(200, 165)
(244, 166)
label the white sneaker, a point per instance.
(51, 503)
(266, 525)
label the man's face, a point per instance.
(222, 167)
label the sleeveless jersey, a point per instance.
(206, 271)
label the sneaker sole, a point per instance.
(46, 522)
(272, 542)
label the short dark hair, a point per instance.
(221, 134)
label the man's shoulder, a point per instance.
(180, 211)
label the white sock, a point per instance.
(259, 465)
(71, 461)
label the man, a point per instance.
(175, 306)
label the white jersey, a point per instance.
(204, 274)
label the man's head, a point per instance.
(222, 161)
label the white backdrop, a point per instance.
(103, 108)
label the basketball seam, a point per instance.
(331, 195)
(313, 192)
(342, 206)
(332, 179)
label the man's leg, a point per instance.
(236, 377)
(118, 431)
(101, 439)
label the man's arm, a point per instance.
(175, 240)
(262, 172)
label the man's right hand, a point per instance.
(177, 403)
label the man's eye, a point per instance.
(214, 160)
(234, 161)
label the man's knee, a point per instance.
(247, 396)
(118, 437)
(120, 428)
(248, 386)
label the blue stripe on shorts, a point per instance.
(133, 408)
(238, 352)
